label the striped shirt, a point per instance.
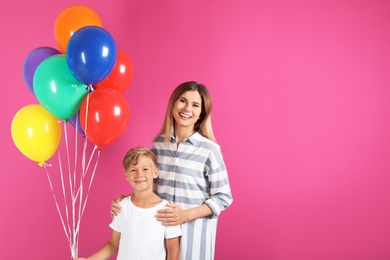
(192, 174)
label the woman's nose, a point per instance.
(188, 107)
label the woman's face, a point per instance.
(187, 109)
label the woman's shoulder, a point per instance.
(205, 142)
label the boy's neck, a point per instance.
(143, 200)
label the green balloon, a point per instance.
(56, 89)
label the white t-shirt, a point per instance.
(142, 236)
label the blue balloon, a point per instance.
(91, 54)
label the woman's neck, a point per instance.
(183, 133)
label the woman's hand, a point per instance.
(115, 207)
(172, 216)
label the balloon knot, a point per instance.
(90, 88)
(44, 164)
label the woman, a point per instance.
(193, 175)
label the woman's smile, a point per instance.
(185, 116)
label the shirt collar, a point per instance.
(193, 139)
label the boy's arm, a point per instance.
(109, 249)
(172, 248)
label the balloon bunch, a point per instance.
(81, 82)
(86, 76)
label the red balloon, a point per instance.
(107, 118)
(121, 75)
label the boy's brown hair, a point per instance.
(132, 156)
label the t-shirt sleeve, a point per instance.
(116, 223)
(172, 231)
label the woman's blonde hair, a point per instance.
(203, 125)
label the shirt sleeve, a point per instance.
(117, 221)
(114, 225)
(172, 231)
(221, 196)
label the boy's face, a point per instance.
(141, 175)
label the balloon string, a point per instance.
(78, 197)
(64, 193)
(69, 176)
(68, 161)
(81, 213)
(56, 202)
(74, 245)
(76, 145)
(72, 186)
(86, 115)
(92, 175)
(90, 88)
(83, 169)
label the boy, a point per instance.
(136, 234)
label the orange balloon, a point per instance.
(70, 20)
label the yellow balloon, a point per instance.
(36, 132)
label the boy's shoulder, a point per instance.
(127, 203)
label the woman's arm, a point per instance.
(174, 215)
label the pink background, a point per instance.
(301, 94)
